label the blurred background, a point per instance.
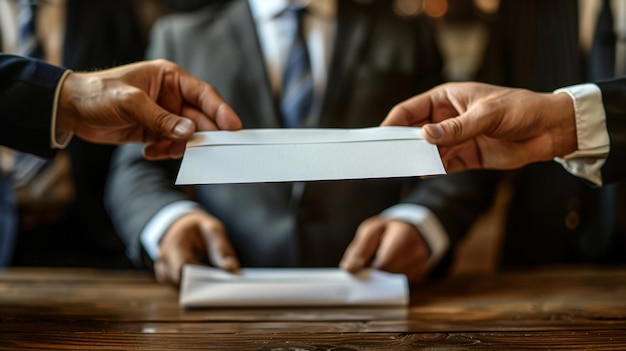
(61, 218)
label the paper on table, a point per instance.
(276, 155)
(210, 287)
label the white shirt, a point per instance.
(591, 133)
(319, 30)
(274, 32)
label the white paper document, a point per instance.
(255, 287)
(278, 155)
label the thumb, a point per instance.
(167, 125)
(458, 129)
(176, 127)
(160, 121)
(221, 253)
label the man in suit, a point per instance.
(364, 59)
(542, 46)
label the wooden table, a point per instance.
(556, 308)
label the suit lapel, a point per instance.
(257, 83)
(353, 27)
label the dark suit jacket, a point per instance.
(99, 34)
(614, 98)
(27, 89)
(378, 61)
(553, 216)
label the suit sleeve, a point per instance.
(27, 93)
(613, 98)
(457, 200)
(136, 190)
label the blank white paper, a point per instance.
(279, 155)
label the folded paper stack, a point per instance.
(256, 287)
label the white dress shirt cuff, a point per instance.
(157, 226)
(428, 225)
(59, 140)
(591, 133)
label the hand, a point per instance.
(486, 126)
(154, 102)
(389, 245)
(194, 238)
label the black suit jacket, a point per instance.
(614, 99)
(378, 61)
(99, 34)
(27, 89)
(553, 216)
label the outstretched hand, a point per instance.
(153, 102)
(485, 126)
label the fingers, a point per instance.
(202, 122)
(413, 112)
(447, 114)
(361, 250)
(392, 246)
(164, 149)
(432, 106)
(200, 105)
(165, 124)
(399, 247)
(402, 250)
(461, 157)
(204, 97)
(177, 249)
(171, 272)
(221, 253)
(167, 149)
(192, 239)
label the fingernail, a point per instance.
(183, 127)
(229, 263)
(353, 266)
(434, 130)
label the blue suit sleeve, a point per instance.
(27, 91)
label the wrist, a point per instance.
(563, 117)
(59, 139)
(66, 111)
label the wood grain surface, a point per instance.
(550, 308)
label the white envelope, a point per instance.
(278, 155)
(254, 287)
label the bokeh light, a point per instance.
(436, 8)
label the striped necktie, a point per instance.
(297, 82)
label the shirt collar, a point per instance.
(263, 10)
